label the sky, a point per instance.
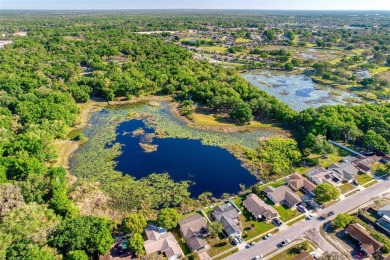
(197, 4)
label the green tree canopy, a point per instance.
(326, 192)
(168, 218)
(87, 233)
(215, 228)
(342, 220)
(76, 255)
(136, 242)
(134, 223)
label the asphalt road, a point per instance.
(300, 229)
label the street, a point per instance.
(302, 228)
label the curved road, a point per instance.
(302, 228)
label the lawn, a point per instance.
(379, 170)
(285, 213)
(370, 184)
(218, 245)
(363, 178)
(378, 70)
(290, 253)
(226, 255)
(242, 40)
(219, 49)
(274, 184)
(206, 119)
(296, 220)
(344, 188)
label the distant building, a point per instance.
(345, 171)
(297, 181)
(162, 242)
(282, 195)
(368, 244)
(194, 230)
(258, 208)
(228, 216)
(349, 159)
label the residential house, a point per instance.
(258, 208)
(384, 223)
(345, 171)
(349, 159)
(194, 230)
(320, 175)
(368, 244)
(162, 242)
(282, 195)
(304, 256)
(365, 164)
(296, 182)
(384, 211)
(228, 216)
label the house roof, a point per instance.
(366, 163)
(226, 215)
(192, 228)
(385, 210)
(349, 159)
(326, 176)
(283, 193)
(303, 256)
(161, 242)
(316, 171)
(258, 207)
(367, 242)
(297, 181)
(345, 170)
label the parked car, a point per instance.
(324, 216)
(314, 254)
(285, 242)
(252, 244)
(239, 239)
(311, 216)
(267, 236)
(258, 257)
(302, 209)
(330, 213)
(277, 221)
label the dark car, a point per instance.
(277, 221)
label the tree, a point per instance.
(168, 218)
(76, 255)
(28, 251)
(375, 142)
(215, 228)
(136, 243)
(241, 112)
(322, 146)
(342, 220)
(326, 192)
(10, 198)
(278, 155)
(91, 234)
(134, 223)
(30, 222)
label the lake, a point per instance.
(211, 168)
(296, 90)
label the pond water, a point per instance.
(211, 168)
(298, 91)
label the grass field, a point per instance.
(219, 49)
(206, 119)
(346, 187)
(242, 40)
(290, 253)
(379, 70)
(285, 213)
(363, 178)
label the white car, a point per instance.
(311, 216)
(267, 236)
(285, 242)
(258, 257)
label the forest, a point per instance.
(70, 59)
